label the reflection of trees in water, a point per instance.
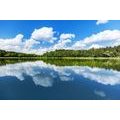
(13, 61)
(101, 63)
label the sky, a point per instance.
(40, 36)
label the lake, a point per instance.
(60, 79)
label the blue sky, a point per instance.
(39, 36)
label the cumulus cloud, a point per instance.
(19, 44)
(44, 33)
(106, 35)
(79, 45)
(95, 46)
(102, 22)
(29, 43)
(13, 44)
(101, 39)
(64, 41)
(41, 41)
(66, 36)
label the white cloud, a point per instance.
(101, 39)
(19, 44)
(44, 33)
(102, 22)
(79, 45)
(13, 41)
(29, 43)
(95, 46)
(65, 39)
(66, 36)
(62, 43)
(13, 44)
(106, 35)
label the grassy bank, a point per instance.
(111, 63)
(101, 62)
(74, 58)
(19, 58)
(69, 58)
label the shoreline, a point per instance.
(73, 58)
(19, 57)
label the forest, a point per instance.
(101, 52)
(4, 53)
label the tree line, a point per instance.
(101, 52)
(4, 53)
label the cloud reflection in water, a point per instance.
(44, 74)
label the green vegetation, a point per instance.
(108, 58)
(91, 53)
(13, 61)
(100, 63)
(101, 52)
(15, 54)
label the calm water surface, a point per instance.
(38, 80)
